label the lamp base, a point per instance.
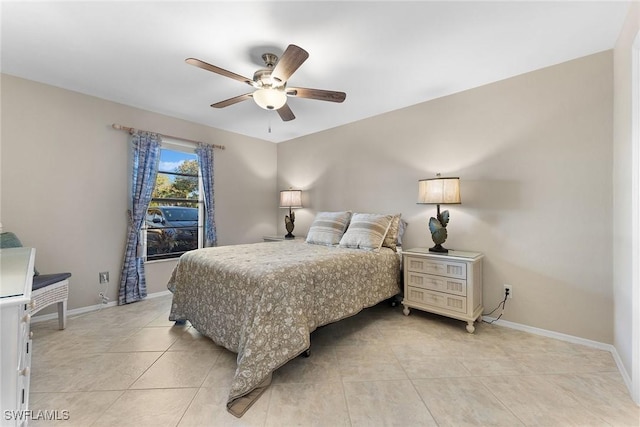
(439, 249)
(288, 224)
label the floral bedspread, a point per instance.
(263, 300)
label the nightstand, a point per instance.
(446, 284)
(279, 238)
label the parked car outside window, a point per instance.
(171, 229)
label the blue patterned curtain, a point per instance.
(205, 158)
(145, 158)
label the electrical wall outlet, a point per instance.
(508, 291)
(104, 277)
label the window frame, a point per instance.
(184, 147)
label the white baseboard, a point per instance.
(159, 294)
(569, 338)
(83, 310)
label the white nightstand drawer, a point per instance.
(438, 299)
(441, 268)
(437, 283)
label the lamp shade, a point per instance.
(291, 199)
(439, 191)
(270, 99)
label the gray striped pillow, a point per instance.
(366, 231)
(328, 227)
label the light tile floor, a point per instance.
(130, 366)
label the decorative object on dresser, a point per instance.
(291, 199)
(439, 191)
(449, 285)
(16, 274)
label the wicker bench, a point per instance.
(47, 289)
(50, 289)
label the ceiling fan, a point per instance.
(271, 83)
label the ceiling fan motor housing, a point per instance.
(262, 78)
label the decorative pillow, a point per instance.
(366, 231)
(402, 227)
(391, 239)
(328, 227)
(9, 240)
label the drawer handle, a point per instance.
(25, 372)
(26, 318)
(32, 304)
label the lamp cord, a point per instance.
(501, 304)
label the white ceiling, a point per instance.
(384, 55)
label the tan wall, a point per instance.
(534, 154)
(622, 179)
(64, 182)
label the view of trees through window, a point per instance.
(173, 222)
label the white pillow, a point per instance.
(328, 227)
(366, 231)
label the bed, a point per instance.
(263, 300)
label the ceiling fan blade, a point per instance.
(289, 62)
(285, 113)
(218, 70)
(319, 94)
(232, 101)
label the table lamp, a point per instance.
(290, 199)
(439, 191)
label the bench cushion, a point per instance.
(43, 280)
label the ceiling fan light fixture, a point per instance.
(270, 99)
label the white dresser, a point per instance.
(16, 276)
(446, 284)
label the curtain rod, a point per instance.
(133, 130)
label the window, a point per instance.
(174, 221)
